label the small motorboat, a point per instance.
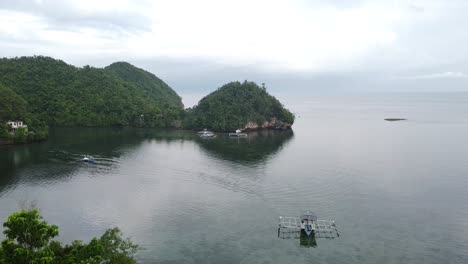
(238, 134)
(88, 160)
(206, 134)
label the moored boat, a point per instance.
(206, 134)
(238, 133)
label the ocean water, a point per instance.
(398, 191)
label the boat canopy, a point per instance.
(308, 215)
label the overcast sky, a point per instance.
(294, 46)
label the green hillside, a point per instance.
(239, 105)
(64, 95)
(14, 107)
(43, 91)
(151, 85)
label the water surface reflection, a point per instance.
(256, 148)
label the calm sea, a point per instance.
(398, 191)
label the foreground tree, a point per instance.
(29, 241)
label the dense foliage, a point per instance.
(29, 241)
(234, 105)
(14, 107)
(43, 91)
(151, 85)
(64, 95)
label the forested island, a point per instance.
(241, 106)
(41, 92)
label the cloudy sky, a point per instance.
(322, 46)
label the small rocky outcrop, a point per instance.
(395, 119)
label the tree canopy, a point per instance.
(29, 241)
(236, 104)
(44, 91)
(64, 95)
(150, 85)
(12, 105)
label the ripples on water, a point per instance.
(396, 190)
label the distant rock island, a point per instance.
(395, 119)
(236, 105)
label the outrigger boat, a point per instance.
(238, 134)
(306, 228)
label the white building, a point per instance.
(17, 124)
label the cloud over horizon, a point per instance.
(298, 38)
(440, 75)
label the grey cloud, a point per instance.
(187, 76)
(62, 15)
(339, 3)
(430, 54)
(439, 75)
(416, 8)
(194, 79)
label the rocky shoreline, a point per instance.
(272, 124)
